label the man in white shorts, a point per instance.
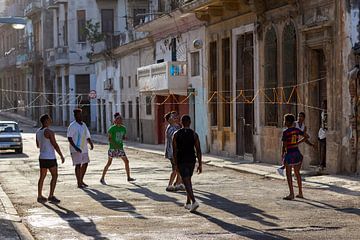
(79, 136)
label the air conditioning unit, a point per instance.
(108, 84)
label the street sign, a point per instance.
(92, 94)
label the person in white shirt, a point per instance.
(322, 136)
(79, 136)
(46, 142)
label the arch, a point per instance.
(289, 68)
(271, 75)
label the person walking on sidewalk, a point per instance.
(291, 154)
(46, 142)
(79, 136)
(117, 133)
(322, 136)
(173, 119)
(185, 142)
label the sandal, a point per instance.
(300, 196)
(41, 199)
(288, 197)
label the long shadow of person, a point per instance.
(322, 205)
(334, 188)
(154, 196)
(77, 223)
(110, 202)
(240, 210)
(244, 231)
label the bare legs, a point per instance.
(290, 183)
(54, 176)
(43, 172)
(106, 168)
(108, 164)
(189, 190)
(80, 170)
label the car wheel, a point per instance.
(19, 150)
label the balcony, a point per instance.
(61, 55)
(32, 8)
(53, 4)
(163, 78)
(50, 57)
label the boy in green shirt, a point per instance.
(117, 133)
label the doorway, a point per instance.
(317, 95)
(245, 82)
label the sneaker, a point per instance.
(194, 206)
(280, 171)
(180, 187)
(102, 181)
(170, 188)
(54, 200)
(187, 206)
(131, 179)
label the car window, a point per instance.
(9, 127)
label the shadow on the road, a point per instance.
(240, 210)
(88, 228)
(334, 188)
(13, 155)
(154, 196)
(110, 202)
(323, 205)
(248, 232)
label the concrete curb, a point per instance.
(20, 228)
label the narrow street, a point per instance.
(233, 205)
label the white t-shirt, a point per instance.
(79, 134)
(297, 125)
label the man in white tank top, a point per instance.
(45, 141)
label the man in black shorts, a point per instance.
(185, 141)
(45, 141)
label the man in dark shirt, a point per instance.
(185, 142)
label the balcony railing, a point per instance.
(50, 57)
(163, 78)
(32, 8)
(61, 55)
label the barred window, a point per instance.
(213, 83)
(289, 59)
(271, 77)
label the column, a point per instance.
(72, 95)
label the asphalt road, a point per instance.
(233, 205)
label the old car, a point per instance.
(10, 136)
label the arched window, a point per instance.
(271, 77)
(289, 60)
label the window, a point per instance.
(129, 79)
(136, 80)
(195, 64)
(81, 23)
(107, 21)
(173, 50)
(226, 81)
(121, 82)
(289, 60)
(148, 105)
(271, 78)
(130, 109)
(139, 16)
(123, 109)
(213, 84)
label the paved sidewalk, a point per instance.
(337, 183)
